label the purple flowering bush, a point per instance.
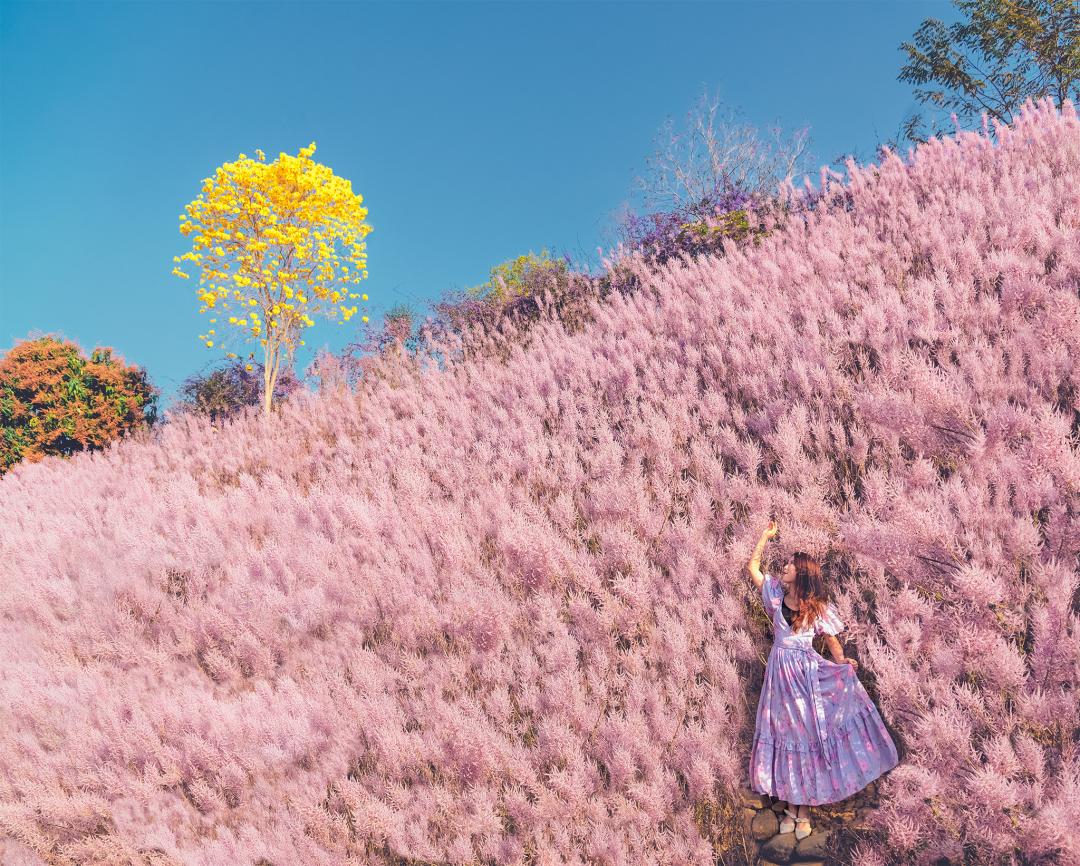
(497, 612)
(224, 392)
(694, 229)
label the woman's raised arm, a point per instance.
(754, 566)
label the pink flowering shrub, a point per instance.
(498, 613)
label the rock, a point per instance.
(812, 847)
(752, 798)
(779, 848)
(778, 805)
(764, 824)
(747, 818)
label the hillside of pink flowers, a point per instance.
(499, 613)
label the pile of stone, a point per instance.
(761, 820)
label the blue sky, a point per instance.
(474, 131)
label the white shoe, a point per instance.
(803, 828)
(788, 823)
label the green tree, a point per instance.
(55, 400)
(1000, 54)
(522, 276)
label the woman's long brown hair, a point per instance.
(809, 587)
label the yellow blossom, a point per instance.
(251, 218)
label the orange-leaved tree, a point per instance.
(277, 244)
(54, 400)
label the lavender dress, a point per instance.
(818, 736)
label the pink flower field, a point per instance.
(498, 613)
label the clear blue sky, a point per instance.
(474, 131)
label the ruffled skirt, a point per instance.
(786, 759)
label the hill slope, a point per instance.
(500, 613)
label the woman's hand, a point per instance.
(754, 566)
(847, 661)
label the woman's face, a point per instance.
(787, 577)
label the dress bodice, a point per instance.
(787, 637)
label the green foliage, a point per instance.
(55, 401)
(733, 224)
(523, 276)
(1002, 53)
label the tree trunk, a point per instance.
(270, 371)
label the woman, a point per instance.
(818, 737)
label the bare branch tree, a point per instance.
(717, 151)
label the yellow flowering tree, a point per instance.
(277, 244)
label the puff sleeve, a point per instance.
(771, 595)
(829, 622)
